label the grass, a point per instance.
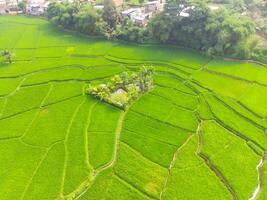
(56, 142)
(78, 168)
(221, 147)
(189, 173)
(8, 85)
(140, 172)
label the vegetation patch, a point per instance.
(122, 90)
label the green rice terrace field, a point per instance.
(200, 134)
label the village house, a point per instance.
(37, 8)
(3, 7)
(141, 15)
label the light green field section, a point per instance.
(102, 134)
(221, 146)
(50, 167)
(64, 90)
(51, 123)
(25, 99)
(244, 70)
(166, 111)
(240, 125)
(221, 84)
(255, 96)
(159, 54)
(198, 135)
(22, 121)
(141, 173)
(8, 86)
(15, 173)
(77, 166)
(189, 173)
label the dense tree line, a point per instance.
(216, 32)
(213, 31)
(105, 22)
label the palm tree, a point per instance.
(146, 78)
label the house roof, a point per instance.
(151, 2)
(129, 11)
(141, 17)
(99, 6)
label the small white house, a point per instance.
(2, 7)
(185, 11)
(37, 8)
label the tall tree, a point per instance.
(110, 14)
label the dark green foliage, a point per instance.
(124, 89)
(128, 31)
(212, 31)
(110, 14)
(22, 5)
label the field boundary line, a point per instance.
(154, 62)
(142, 155)
(233, 131)
(134, 187)
(9, 138)
(89, 118)
(37, 107)
(117, 140)
(65, 145)
(152, 138)
(75, 194)
(172, 163)
(36, 114)
(165, 86)
(160, 121)
(36, 170)
(241, 115)
(212, 167)
(10, 94)
(89, 182)
(173, 103)
(234, 77)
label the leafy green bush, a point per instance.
(123, 89)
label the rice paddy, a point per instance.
(200, 134)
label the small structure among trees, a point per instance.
(8, 55)
(123, 89)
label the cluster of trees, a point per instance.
(7, 55)
(122, 90)
(86, 19)
(216, 32)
